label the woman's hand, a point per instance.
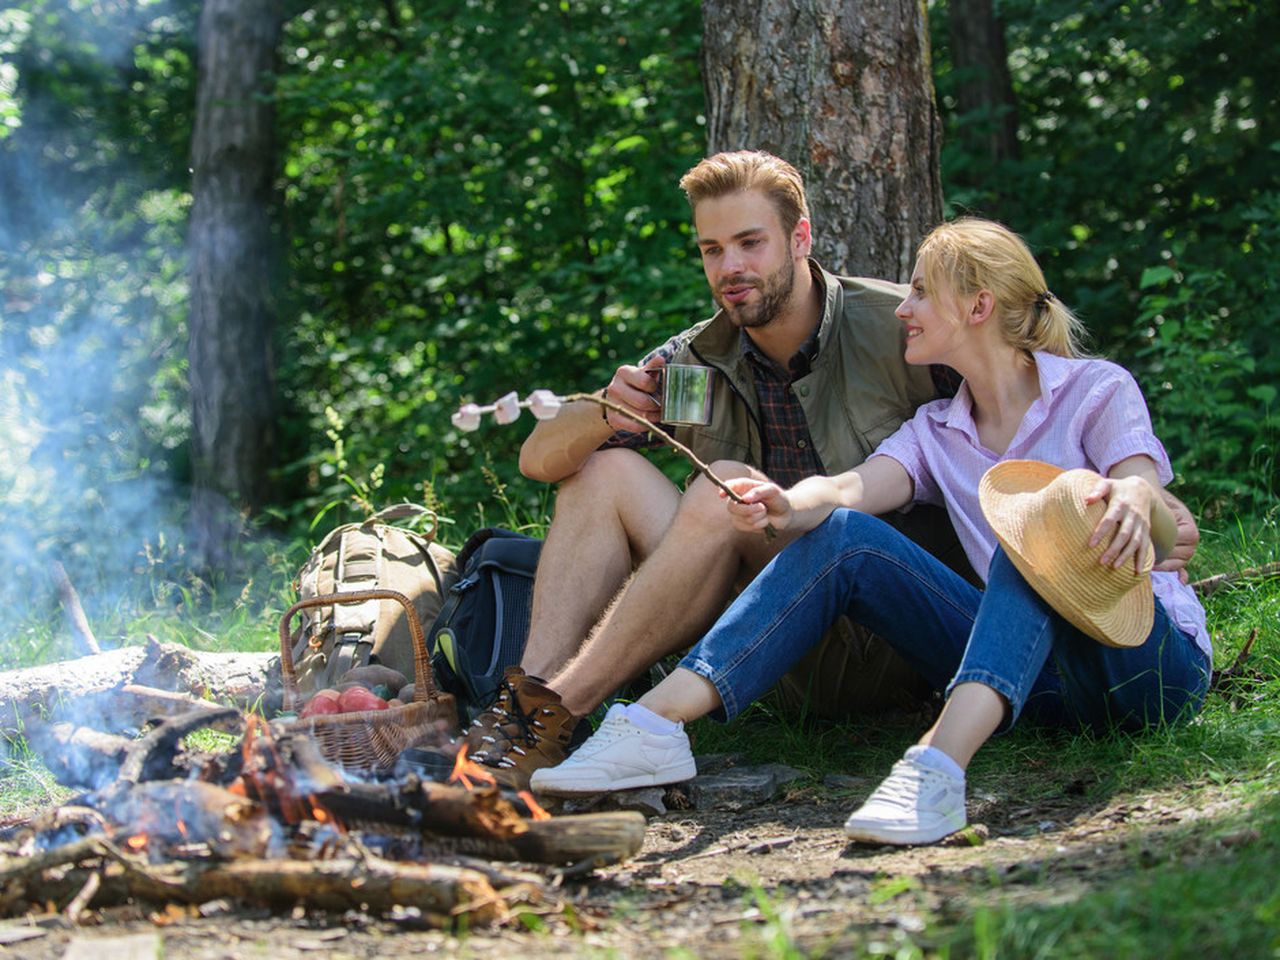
(1126, 525)
(766, 505)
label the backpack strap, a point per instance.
(359, 568)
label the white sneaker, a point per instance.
(914, 804)
(619, 756)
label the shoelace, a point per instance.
(901, 787)
(526, 732)
(608, 732)
(505, 693)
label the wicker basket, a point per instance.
(370, 740)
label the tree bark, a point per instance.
(984, 92)
(844, 92)
(232, 314)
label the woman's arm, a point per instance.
(1136, 513)
(877, 486)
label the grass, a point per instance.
(1202, 894)
(1203, 891)
(1209, 890)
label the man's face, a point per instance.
(749, 261)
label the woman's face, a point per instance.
(934, 328)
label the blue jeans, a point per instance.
(1006, 637)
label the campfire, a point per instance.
(272, 821)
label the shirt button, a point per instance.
(804, 391)
(802, 444)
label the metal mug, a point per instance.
(686, 393)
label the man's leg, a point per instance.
(674, 596)
(609, 517)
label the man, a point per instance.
(810, 378)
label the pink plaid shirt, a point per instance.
(1090, 413)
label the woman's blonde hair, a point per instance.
(972, 254)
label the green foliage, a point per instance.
(473, 202)
(477, 204)
(1149, 187)
(93, 406)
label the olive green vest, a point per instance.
(858, 391)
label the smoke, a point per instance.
(92, 344)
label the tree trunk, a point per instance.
(843, 91)
(232, 316)
(984, 92)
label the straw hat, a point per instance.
(1039, 514)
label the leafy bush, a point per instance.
(477, 204)
(1148, 184)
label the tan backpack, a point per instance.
(356, 557)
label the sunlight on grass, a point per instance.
(1209, 893)
(26, 785)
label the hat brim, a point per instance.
(1116, 607)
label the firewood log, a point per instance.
(441, 892)
(88, 690)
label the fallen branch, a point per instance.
(1211, 585)
(70, 600)
(1224, 678)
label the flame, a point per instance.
(182, 829)
(535, 810)
(137, 842)
(464, 771)
(272, 780)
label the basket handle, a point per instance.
(424, 685)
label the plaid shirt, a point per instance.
(789, 454)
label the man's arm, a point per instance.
(1184, 547)
(559, 447)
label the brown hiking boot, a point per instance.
(526, 729)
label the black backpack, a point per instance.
(484, 623)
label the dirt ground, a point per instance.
(708, 884)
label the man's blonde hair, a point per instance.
(972, 254)
(726, 173)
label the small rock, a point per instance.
(842, 781)
(646, 800)
(782, 774)
(717, 762)
(145, 946)
(215, 908)
(974, 835)
(734, 789)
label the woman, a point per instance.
(979, 304)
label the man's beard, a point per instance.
(775, 292)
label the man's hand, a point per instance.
(635, 388)
(1184, 547)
